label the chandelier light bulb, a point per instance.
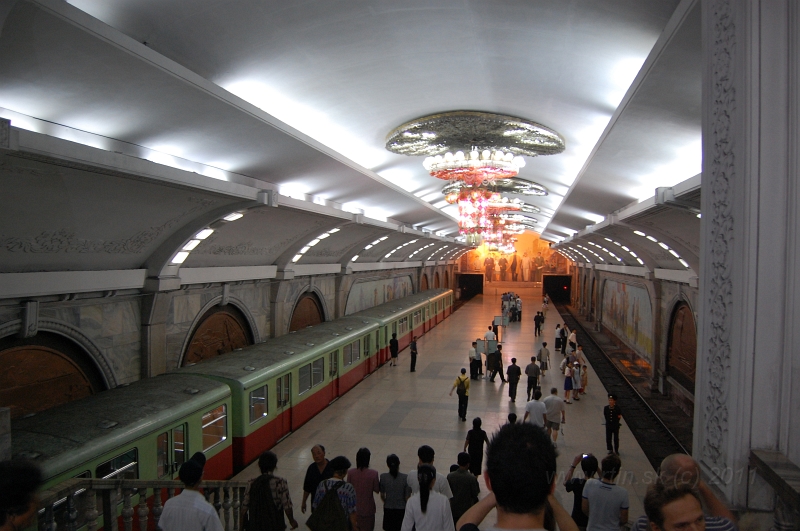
(473, 155)
(518, 161)
(459, 155)
(427, 163)
(509, 157)
(486, 154)
(448, 157)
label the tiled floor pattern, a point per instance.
(396, 411)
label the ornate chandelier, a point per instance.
(473, 216)
(474, 168)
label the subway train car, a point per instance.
(142, 430)
(232, 407)
(411, 316)
(278, 385)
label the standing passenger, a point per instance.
(612, 415)
(365, 482)
(464, 486)
(532, 371)
(394, 349)
(413, 348)
(317, 471)
(556, 414)
(474, 361)
(428, 510)
(189, 510)
(345, 491)
(266, 489)
(394, 493)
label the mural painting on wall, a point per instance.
(534, 259)
(627, 313)
(364, 295)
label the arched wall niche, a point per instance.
(682, 346)
(45, 371)
(307, 312)
(218, 330)
(436, 279)
(423, 284)
(447, 280)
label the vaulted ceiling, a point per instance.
(299, 97)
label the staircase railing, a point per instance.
(94, 503)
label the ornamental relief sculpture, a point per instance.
(66, 241)
(717, 350)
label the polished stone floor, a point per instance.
(396, 411)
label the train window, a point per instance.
(304, 379)
(317, 372)
(124, 466)
(163, 451)
(357, 349)
(215, 427)
(258, 404)
(403, 325)
(366, 345)
(417, 318)
(394, 327)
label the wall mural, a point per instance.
(534, 260)
(627, 313)
(364, 295)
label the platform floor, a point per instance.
(396, 411)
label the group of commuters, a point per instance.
(394, 351)
(422, 499)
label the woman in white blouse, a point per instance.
(428, 510)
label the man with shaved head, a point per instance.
(680, 471)
(317, 471)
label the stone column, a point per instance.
(749, 303)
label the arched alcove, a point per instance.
(44, 371)
(423, 283)
(436, 280)
(220, 330)
(307, 312)
(447, 280)
(682, 347)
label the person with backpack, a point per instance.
(267, 499)
(461, 387)
(334, 503)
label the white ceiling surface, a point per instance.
(302, 94)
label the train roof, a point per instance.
(273, 357)
(68, 435)
(389, 311)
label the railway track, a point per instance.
(655, 438)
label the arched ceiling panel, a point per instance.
(258, 238)
(60, 216)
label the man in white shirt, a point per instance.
(426, 454)
(189, 510)
(474, 361)
(536, 410)
(556, 414)
(489, 335)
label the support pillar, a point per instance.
(749, 303)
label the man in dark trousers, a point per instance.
(464, 486)
(514, 373)
(612, 415)
(537, 324)
(461, 385)
(532, 371)
(413, 349)
(394, 348)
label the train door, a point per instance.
(170, 452)
(385, 349)
(283, 411)
(333, 363)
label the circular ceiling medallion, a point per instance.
(464, 130)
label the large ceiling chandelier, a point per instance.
(473, 147)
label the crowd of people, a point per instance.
(519, 472)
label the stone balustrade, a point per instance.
(100, 503)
